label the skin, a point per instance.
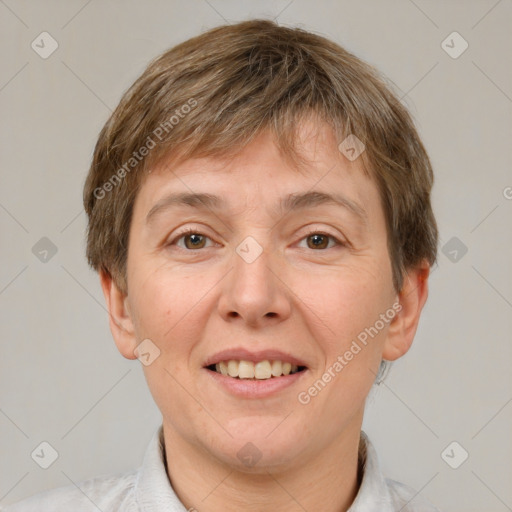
(194, 302)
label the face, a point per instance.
(268, 270)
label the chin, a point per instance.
(258, 446)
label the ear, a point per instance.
(121, 324)
(403, 327)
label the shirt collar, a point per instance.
(373, 492)
(154, 493)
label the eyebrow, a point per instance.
(292, 202)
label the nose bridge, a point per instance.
(253, 291)
(253, 265)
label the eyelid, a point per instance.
(318, 231)
(187, 231)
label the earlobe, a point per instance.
(121, 324)
(403, 327)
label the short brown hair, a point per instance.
(210, 96)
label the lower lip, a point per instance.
(255, 388)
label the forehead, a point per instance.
(260, 177)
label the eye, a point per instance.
(193, 240)
(318, 240)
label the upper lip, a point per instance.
(241, 353)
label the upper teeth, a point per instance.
(260, 370)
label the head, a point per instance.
(263, 118)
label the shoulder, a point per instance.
(407, 498)
(105, 492)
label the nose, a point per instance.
(254, 292)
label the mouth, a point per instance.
(249, 374)
(265, 369)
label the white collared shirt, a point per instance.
(148, 490)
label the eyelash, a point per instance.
(191, 231)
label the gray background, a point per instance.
(62, 379)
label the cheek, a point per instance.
(351, 333)
(365, 313)
(350, 302)
(161, 299)
(171, 310)
(167, 307)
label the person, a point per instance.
(259, 215)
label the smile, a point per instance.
(260, 370)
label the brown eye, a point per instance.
(318, 241)
(190, 240)
(196, 241)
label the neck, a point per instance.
(203, 483)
